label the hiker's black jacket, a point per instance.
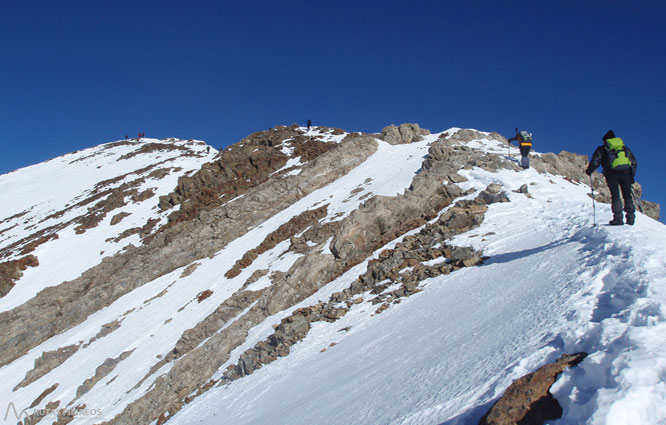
(601, 157)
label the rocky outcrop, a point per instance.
(155, 147)
(105, 197)
(239, 168)
(101, 371)
(286, 231)
(47, 362)
(402, 265)
(381, 219)
(11, 271)
(106, 329)
(66, 305)
(405, 133)
(377, 222)
(119, 217)
(404, 239)
(43, 395)
(528, 400)
(110, 197)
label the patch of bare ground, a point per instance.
(14, 217)
(108, 199)
(105, 148)
(66, 416)
(144, 232)
(203, 295)
(156, 147)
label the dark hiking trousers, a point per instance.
(616, 182)
(525, 160)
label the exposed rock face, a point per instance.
(295, 225)
(402, 264)
(240, 167)
(406, 133)
(405, 240)
(377, 221)
(64, 306)
(528, 400)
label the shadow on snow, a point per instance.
(516, 255)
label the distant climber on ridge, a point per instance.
(524, 140)
(619, 167)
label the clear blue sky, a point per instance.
(74, 74)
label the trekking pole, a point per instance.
(633, 196)
(516, 130)
(594, 207)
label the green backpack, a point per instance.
(617, 155)
(526, 136)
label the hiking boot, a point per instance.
(631, 219)
(616, 222)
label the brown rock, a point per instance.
(12, 271)
(204, 294)
(528, 400)
(43, 395)
(118, 218)
(405, 133)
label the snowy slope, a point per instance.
(52, 195)
(552, 284)
(151, 323)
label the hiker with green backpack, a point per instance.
(524, 140)
(619, 167)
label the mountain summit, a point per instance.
(307, 276)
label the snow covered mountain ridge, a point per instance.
(308, 276)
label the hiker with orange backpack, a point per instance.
(619, 169)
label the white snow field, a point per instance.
(60, 183)
(553, 284)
